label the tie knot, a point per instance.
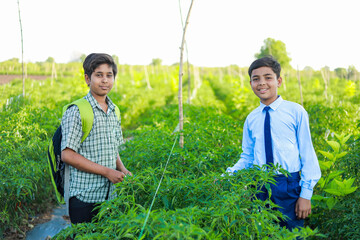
(267, 108)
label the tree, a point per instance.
(341, 72)
(352, 72)
(277, 49)
(50, 60)
(116, 59)
(308, 69)
(82, 57)
(156, 62)
(15, 60)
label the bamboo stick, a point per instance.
(22, 49)
(300, 88)
(187, 59)
(325, 83)
(147, 78)
(181, 115)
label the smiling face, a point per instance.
(101, 81)
(264, 84)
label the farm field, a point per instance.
(188, 204)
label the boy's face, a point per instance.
(264, 84)
(101, 80)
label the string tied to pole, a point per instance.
(157, 189)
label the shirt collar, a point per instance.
(274, 105)
(95, 103)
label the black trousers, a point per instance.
(81, 212)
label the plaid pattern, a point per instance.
(101, 146)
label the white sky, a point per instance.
(317, 33)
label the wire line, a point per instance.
(148, 214)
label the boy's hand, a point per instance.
(115, 176)
(302, 208)
(126, 172)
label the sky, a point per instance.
(316, 33)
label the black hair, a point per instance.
(93, 60)
(268, 61)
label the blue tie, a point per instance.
(267, 134)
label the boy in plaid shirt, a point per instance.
(95, 164)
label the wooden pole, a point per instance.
(181, 115)
(187, 59)
(324, 76)
(22, 50)
(298, 76)
(147, 78)
(241, 76)
(284, 82)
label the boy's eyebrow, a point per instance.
(266, 74)
(102, 72)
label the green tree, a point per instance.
(277, 49)
(50, 60)
(156, 62)
(308, 69)
(352, 72)
(16, 60)
(341, 72)
(116, 59)
(82, 57)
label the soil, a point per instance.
(30, 223)
(8, 78)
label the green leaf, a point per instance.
(348, 182)
(349, 190)
(345, 139)
(330, 202)
(334, 145)
(330, 156)
(334, 191)
(321, 182)
(337, 184)
(317, 198)
(334, 174)
(325, 165)
(268, 188)
(233, 222)
(340, 155)
(339, 136)
(341, 188)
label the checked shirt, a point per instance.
(101, 146)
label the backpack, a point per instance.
(56, 165)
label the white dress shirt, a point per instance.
(291, 142)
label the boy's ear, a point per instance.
(279, 80)
(87, 79)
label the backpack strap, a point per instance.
(87, 120)
(86, 114)
(117, 112)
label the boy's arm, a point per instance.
(120, 166)
(71, 140)
(247, 156)
(310, 169)
(76, 160)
